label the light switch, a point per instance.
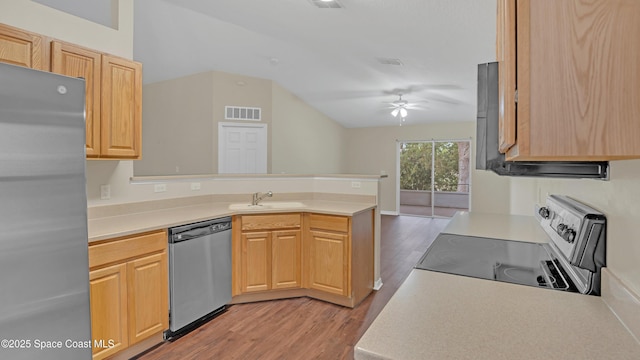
(195, 186)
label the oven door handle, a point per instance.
(546, 273)
(554, 281)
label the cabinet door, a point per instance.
(74, 61)
(19, 47)
(147, 287)
(506, 56)
(285, 261)
(121, 120)
(329, 262)
(256, 262)
(108, 289)
(583, 77)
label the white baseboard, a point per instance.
(384, 212)
(378, 284)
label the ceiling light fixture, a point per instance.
(399, 108)
(401, 111)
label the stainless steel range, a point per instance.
(570, 261)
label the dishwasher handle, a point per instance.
(197, 232)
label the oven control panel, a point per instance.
(577, 234)
(562, 224)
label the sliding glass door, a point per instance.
(434, 177)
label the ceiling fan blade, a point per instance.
(444, 99)
(342, 95)
(420, 87)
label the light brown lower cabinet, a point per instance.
(328, 257)
(270, 255)
(129, 291)
(256, 261)
(286, 256)
(108, 289)
(329, 262)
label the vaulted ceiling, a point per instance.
(335, 59)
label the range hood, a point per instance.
(488, 157)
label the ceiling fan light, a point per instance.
(403, 112)
(395, 111)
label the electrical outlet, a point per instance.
(105, 192)
(355, 184)
(160, 188)
(195, 186)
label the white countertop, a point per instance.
(443, 316)
(508, 227)
(115, 226)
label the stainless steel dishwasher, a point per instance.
(199, 273)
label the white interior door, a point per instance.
(242, 148)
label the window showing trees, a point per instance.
(450, 166)
(434, 178)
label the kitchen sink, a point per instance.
(272, 205)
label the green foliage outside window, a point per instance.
(415, 166)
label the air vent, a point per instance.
(242, 113)
(389, 61)
(324, 4)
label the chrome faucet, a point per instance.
(257, 197)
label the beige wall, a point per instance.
(304, 141)
(31, 16)
(181, 117)
(374, 150)
(178, 127)
(618, 198)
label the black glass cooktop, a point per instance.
(493, 259)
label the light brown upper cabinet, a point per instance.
(569, 79)
(113, 99)
(23, 48)
(121, 120)
(71, 60)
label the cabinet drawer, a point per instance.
(268, 222)
(126, 248)
(329, 222)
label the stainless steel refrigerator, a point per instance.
(44, 279)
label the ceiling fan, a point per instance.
(400, 107)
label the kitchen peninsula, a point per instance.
(435, 315)
(318, 242)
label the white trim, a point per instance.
(236, 124)
(221, 141)
(378, 284)
(239, 177)
(394, 213)
(348, 179)
(398, 147)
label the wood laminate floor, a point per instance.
(303, 328)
